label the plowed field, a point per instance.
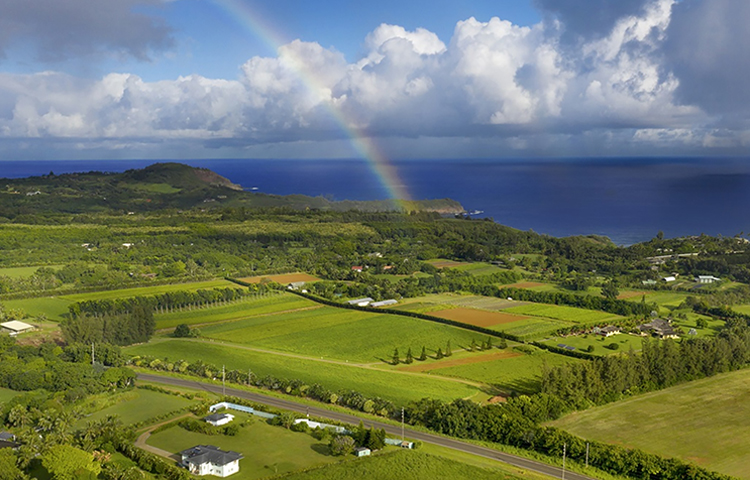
(479, 318)
(282, 278)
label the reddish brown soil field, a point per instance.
(525, 285)
(479, 358)
(479, 318)
(282, 279)
(447, 264)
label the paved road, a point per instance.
(391, 429)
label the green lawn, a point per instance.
(397, 387)
(404, 464)
(20, 272)
(267, 450)
(532, 328)
(564, 313)
(706, 422)
(342, 334)
(246, 307)
(139, 405)
(521, 374)
(7, 394)
(581, 342)
(54, 308)
(150, 290)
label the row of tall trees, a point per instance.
(126, 329)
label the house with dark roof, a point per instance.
(607, 331)
(658, 328)
(210, 460)
(8, 440)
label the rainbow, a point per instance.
(362, 143)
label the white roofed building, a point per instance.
(15, 327)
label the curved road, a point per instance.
(514, 460)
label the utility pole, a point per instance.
(563, 469)
(223, 381)
(92, 354)
(587, 454)
(402, 424)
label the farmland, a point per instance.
(532, 328)
(396, 387)
(713, 417)
(348, 335)
(564, 313)
(20, 272)
(283, 278)
(139, 405)
(267, 450)
(479, 318)
(581, 342)
(53, 308)
(146, 291)
(244, 308)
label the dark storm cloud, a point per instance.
(590, 18)
(707, 49)
(58, 30)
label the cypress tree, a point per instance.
(396, 358)
(409, 358)
(439, 354)
(423, 356)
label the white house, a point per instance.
(707, 279)
(360, 302)
(15, 327)
(209, 460)
(219, 419)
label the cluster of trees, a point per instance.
(347, 398)
(163, 302)
(590, 302)
(660, 364)
(199, 426)
(125, 329)
(517, 423)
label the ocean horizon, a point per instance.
(628, 200)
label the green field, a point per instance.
(742, 309)
(54, 308)
(246, 307)
(20, 272)
(147, 291)
(7, 394)
(532, 328)
(267, 450)
(403, 464)
(581, 342)
(139, 405)
(480, 269)
(397, 387)
(521, 374)
(564, 313)
(705, 421)
(342, 334)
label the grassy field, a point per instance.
(409, 464)
(139, 405)
(521, 373)
(150, 290)
(399, 388)
(711, 415)
(581, 342)
(480, 269)
(532, 328)
(564, 313)
(267, 450)
(7, 394)
(742, 309)
(246, 307)
(342, 334)
(282, 278)
(20, 272)
(54, 308)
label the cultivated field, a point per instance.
(444, 263)
(150, 290)
(397, 387)
(479, 318)
(342, 334)
(705, 421)
(54, 308)
(282, 279)
(564, 313)
(529, 285)
(267, 450)
(239, 310)
(533, 328)
(463, 360)
(479, 269)
(139, 405)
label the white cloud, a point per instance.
(494, 84)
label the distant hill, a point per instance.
(166, 185)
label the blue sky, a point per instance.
(417, 79)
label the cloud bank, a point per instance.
(649, 77)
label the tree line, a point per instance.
(125, 329)
(589, 302)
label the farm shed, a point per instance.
(707, 279)
(219, 419)
(15, 327)
(295, 285)
(384, 303)
(669, 279)
(361, 302)
(362, 452)
(210, 460)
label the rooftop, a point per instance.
(201, 454)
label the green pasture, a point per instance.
(21, 272)
(342, 334)
(397, 387)
(706, 422)
(520, 374)
(138, 405)
(148, 291)
(54, 308)
(246, 307)
(664, 298)
(564, 313)
(532, 328)
(479, 269)
(581, 342)
(411, 464)
(742, 309)
(267, 450)
(8, 394)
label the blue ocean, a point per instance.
(627, 200)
